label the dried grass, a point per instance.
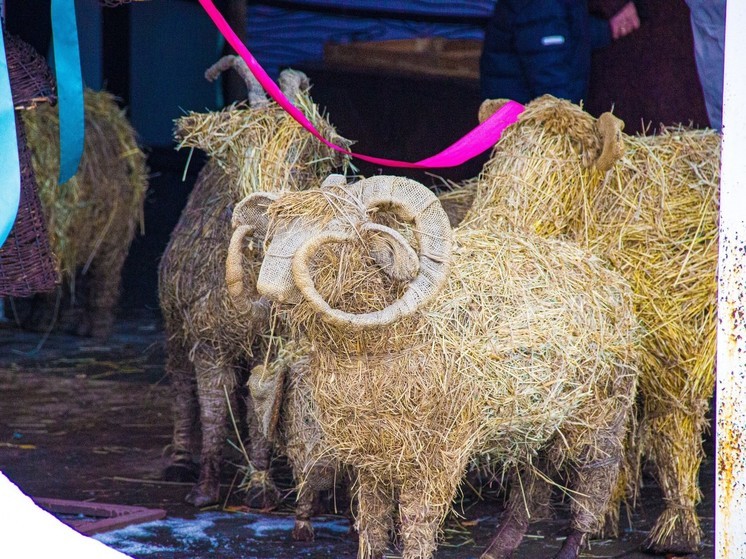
(102, 204)
(262, 148)
(654, 219)
(251, 149)
(529, 349)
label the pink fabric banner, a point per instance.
(477, 141)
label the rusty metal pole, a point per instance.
(730, 490)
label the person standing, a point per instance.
(708, 28)
(648, 78)
(533, 47)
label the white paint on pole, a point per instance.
(730, 490)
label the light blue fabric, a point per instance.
(10, 169)
(69, 86)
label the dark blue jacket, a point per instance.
(533, 47)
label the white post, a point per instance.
(730, 491)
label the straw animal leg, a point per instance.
(181, 374)
(104, 279)
(529, 496)
(374, 517)
(304, 509)
(214, 380)
(36, 313)
(419, 522)
(677, 452)
(261, 493)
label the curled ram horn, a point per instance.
(429, 271)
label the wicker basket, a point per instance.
(27, 265)
(30, 78)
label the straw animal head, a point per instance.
(554, 145)
(337, 248)
(258, 144)
(598, 143)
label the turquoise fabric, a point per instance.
(10, 169)
(69, 86)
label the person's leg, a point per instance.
(708, 28)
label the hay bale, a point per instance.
(521, 354)
(653, 217)
(212, 337)
(93, 217)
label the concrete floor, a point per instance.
(88, 421)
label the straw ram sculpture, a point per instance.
(430, 349)
(210, 340)
(650, 209)
(93, 217)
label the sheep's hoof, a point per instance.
(303, 531)
(571, 547)
(98, 327)
(203, 496)
(676, 532)
(261, 494)
(184, 471)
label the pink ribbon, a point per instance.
(477, 141)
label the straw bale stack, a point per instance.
(484, 343)
(212, 338)
(93, 217)
(652, 214)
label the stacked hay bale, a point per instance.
(511, 346)
(211, 337)
(652, 216)
(93, 217)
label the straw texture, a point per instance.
(653, 217)
(93, 217)
(526, 351)
(213, 337)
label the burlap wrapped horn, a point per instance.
(413, 202)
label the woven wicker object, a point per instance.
(30, 77)
(432, 348)
(651, 212)
(253, 147)
(93, 217)
(27, 265)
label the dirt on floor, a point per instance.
(89, 421)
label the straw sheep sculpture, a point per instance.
(430, 348)
(210, 340)
(92, 218)
(651, 212)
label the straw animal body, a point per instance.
(522, 358)
(653, 217)
(92, 218)
(212, 336)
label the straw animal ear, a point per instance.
(490, 107)
(610, 132)
(249, 218)
(334, 180)
(391, 251)
(252, 211)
